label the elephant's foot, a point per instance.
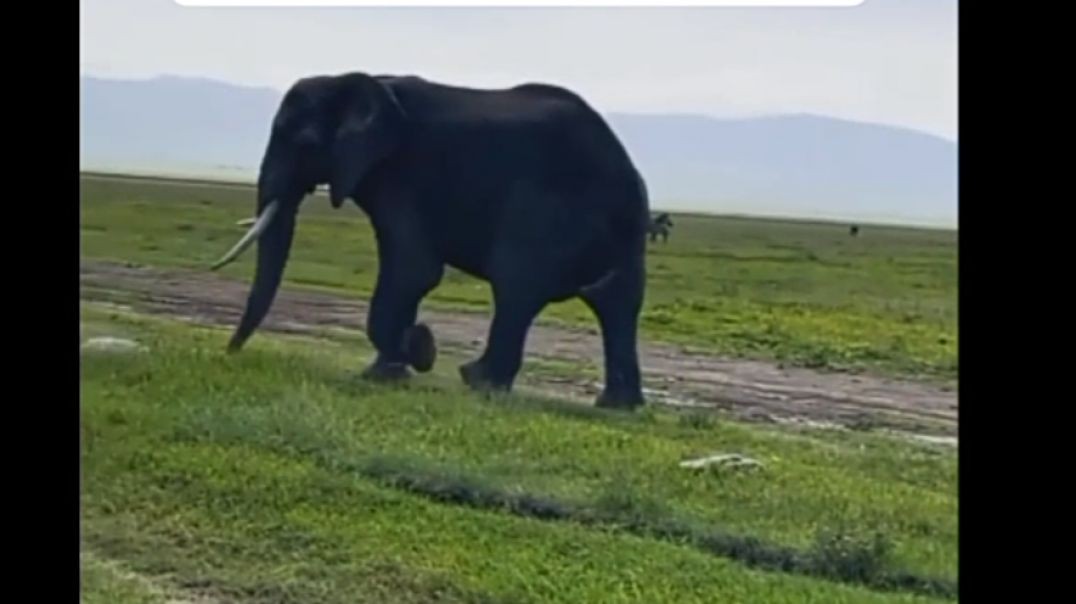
(477, 377)
(419, 347)
(381, 371)
(625, 400)
(474, 375)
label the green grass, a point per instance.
(277, 476)
(801, 293)
(105, 582)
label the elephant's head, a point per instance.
(327, 130)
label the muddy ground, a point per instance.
(752, 390)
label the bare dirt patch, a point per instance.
(752, 390)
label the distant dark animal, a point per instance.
(660, 226)
(854, 231)
(527, 188)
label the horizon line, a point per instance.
(249, 181)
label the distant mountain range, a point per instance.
(787, 165)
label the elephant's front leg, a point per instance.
(391, 327)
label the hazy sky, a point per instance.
(888, 61)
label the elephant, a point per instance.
(527, 188)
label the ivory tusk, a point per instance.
(255, 231)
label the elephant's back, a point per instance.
(539, 111)
(486, 145)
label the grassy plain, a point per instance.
(800, 293)
(277, 476)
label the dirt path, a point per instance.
(749, 389)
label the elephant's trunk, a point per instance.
(274, 244)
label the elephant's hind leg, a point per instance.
(515, 307)
(617, 305)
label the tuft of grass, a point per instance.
(102, 582)
(697, 420)
(838, 553)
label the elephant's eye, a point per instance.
(282, 119)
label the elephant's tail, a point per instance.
(629, 229)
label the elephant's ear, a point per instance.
(370, 126)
